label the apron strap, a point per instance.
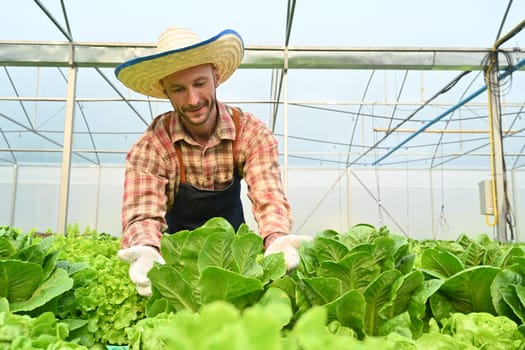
(236, 116)
(237, 121)
(181, 164)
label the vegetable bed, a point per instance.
(366, 288)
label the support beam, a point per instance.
(103, 55)
(66, 151)
(464, 101)
(443, 131)
(497, 155)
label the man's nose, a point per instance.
(192, 96)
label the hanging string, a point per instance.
(443, 223)
(431, 176)
(341, 188)
(378, 185)
(407, 190)
(384, 210)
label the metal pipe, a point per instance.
(509, 71)
(445, 131)
(109, 55)
(285, 122)
(66, 155)
(510, 34)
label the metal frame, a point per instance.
(74, 55)
(105, 55)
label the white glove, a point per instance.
(141, 259)
(288, 245)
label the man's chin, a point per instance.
(196, 118)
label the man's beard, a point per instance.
(210, 104)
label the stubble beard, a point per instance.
(210, 104)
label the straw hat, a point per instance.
(178, 49)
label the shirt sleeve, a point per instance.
(144, 199)
(262, 174)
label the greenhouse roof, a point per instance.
(350, 83)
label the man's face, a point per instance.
(192, 93)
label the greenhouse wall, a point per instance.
(418, 203)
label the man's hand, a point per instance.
(288, 245)
(141, 259)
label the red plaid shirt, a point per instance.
(152, 174)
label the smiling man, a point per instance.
(187, 166)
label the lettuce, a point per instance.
(29, 275)
(217, 325)
(484, 331)
(212, 263)
(26, 332)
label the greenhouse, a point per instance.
(401, 141)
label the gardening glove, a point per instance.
(288, 245)
(141, 259)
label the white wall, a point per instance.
(420, 203)
(94, 199)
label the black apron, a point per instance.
(192, 206)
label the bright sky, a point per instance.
(452, 23)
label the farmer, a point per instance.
(187, 166)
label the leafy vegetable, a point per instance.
(462, 293)
(211, 263)
(102, 303)
(217, 325)
(484, 330)
(26, 332)
(29, 275)
(363, 289)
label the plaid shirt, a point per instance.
(152, 174)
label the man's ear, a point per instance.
(216, 77)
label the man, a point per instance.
(187, 166)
